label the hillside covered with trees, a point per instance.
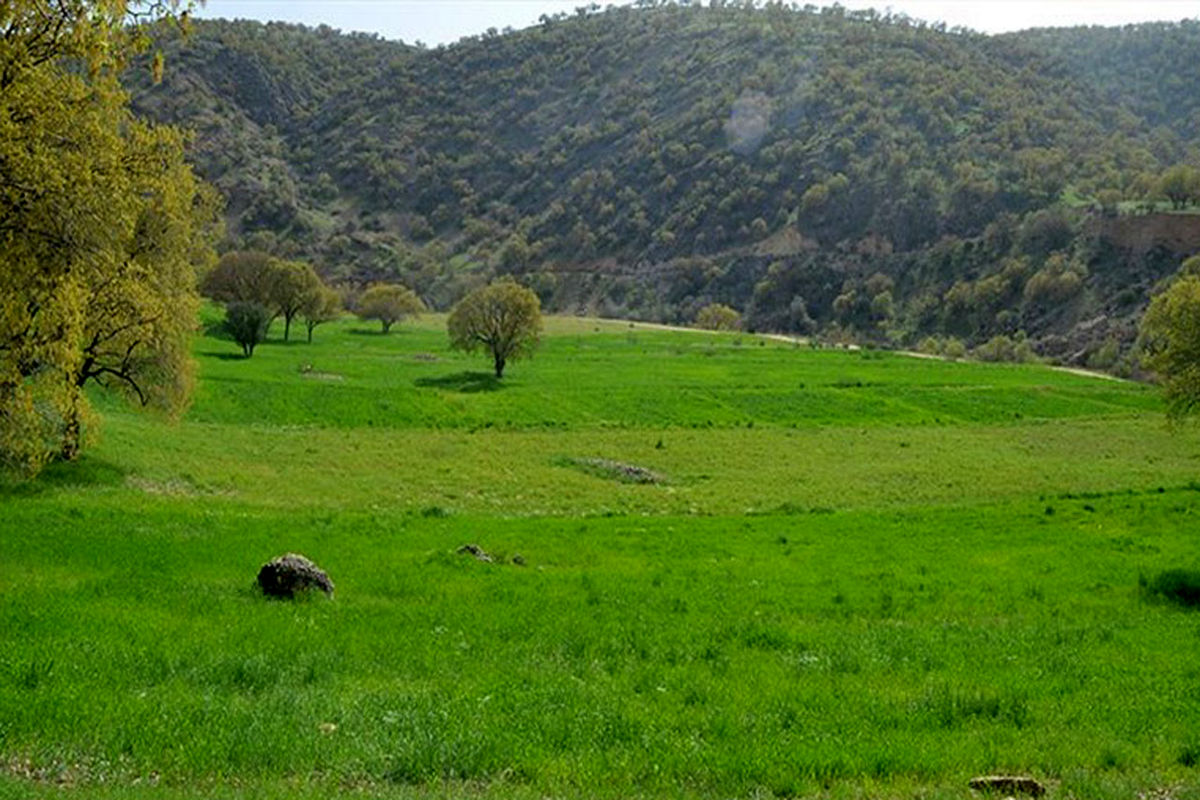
(861, 174)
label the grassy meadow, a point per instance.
(855, 574)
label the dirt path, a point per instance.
(782, 337)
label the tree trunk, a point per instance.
(72, 431)
(499, 360)
(310, 330)
(287, 326)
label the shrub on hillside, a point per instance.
(954, 349)
(1008, 349)
(1056, 282)
(1044, 232)
(930, 346)
(718, 317)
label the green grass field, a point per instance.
(858, 575)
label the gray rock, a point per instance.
(290, 574)
(1008, 784)
(475, 550)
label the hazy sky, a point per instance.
(443, 21)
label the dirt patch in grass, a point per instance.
(615, 470)
(170, 487)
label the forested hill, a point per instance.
(811, 168)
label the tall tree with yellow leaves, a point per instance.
(102, 228)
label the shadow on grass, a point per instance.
(369, 332)
(222, 356)
(1179, 586)
(465, 382)
(85, 473)
(215, 329)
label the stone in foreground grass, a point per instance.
(291, 574)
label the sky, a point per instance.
(445, 21)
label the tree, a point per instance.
(388, 303)
(505, 319)
(323, 305)
(1170, 334)
(1181, 185)
(247, 323)
(253, 276)
(141, 310)
(103, 228)
(246, 276)
(718, 317)
(294, 286)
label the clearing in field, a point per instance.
(746, 568)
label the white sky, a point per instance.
(443, 21)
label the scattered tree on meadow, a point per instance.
(283, 288)
(389, 303)
(104, 228)
(718, 317)
(505, 319)
(295, 287)
(249, 276)
(324, 305)
(1170, 334)
(247, 323)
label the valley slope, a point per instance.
(859, 173)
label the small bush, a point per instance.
(930, 345)
(718, 317)
(954, 349)
(1105, 357)
(1003, 348)
(1180, 586)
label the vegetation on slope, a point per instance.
(649, 161)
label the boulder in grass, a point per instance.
(475, 550)
(1008, 785)
(292, 574)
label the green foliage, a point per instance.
(930, 346)
(954, 349)
(297, 287)
(103, 225)
(320, 306)
(246, 323)
(1181, 185)
(1171, 343)
(840, 144)
(718, 317)
(389, 304)
(284, 288)
(1058, 281)
(245, 277)
(1006, 348)
(504, 319)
